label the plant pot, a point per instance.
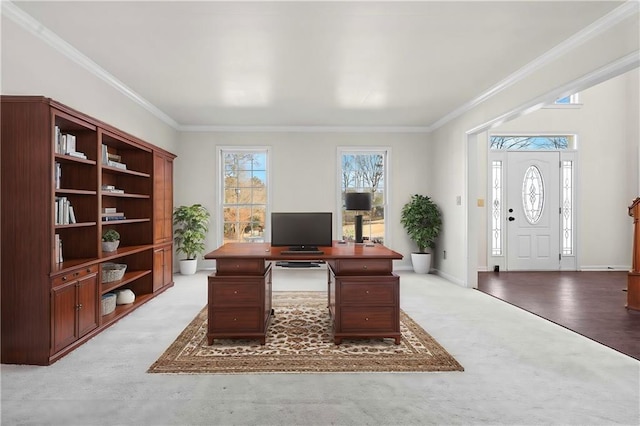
(421, 262)
(108, 246)
(188, 266)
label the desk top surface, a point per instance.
(337, 251)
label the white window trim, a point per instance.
(220, 149)
(386, 151)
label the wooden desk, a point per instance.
(363, 293)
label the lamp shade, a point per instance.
(357, 201)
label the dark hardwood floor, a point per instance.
(589, 303)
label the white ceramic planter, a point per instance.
(421, 262)
(188, 266)
(108, 246)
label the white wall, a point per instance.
(607, 168)
(32, 67)
(303, 173)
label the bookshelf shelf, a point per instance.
(128, 278)
(75, 225)
(115, 170)
(75, 191)
(121, 221)
(70, 159)
(124, 195)
(51, 281)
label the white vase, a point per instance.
(188, 266)
(421, 262)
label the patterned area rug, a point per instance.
(300, 340)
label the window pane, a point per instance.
(567, 207)
(532, 194)
(531, 142)
(496, 208)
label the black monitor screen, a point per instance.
(301, 230)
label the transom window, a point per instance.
(553, 142)
(364, 171)
(244, 177)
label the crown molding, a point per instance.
(30, 24)
(305, 129)
(601, 25)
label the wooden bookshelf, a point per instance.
(51, 152)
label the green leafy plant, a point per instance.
(191, 225)
(110, 235)
(422, 220)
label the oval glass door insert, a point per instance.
(533, 194)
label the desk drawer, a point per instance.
(235, 319)
(237, 266)
(367, 293)
(230, 294)
(379, 319)
(362, 266)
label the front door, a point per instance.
(533, 210)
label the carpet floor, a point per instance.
(300, 340)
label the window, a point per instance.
(554, 142)
(568, 100)
(364, 171)
(244, 181)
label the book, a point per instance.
(72, 215)
(114, 157)
(57, 175)
(116, 164)
(114, 191)
(113, 214)
(57, 248)
(77, 154)
(112, 218)
(69, 142)
(109, 210)
(105, 154)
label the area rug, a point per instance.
(300, 340)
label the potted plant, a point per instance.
(191, 224)
(422, 220)
(110, 240)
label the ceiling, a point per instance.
(399, 64)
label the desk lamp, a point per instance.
(358, 201)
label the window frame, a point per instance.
(385, 151)
(221, 150)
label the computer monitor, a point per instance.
(301, 230)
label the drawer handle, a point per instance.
(364, 267)
(88, 269)
(64, 278)
(367, 291)
(235, 291)
(366, 319)
(235, 319)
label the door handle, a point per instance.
(511, 218)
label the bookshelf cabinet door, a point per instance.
(88, 314)
(64, 316)
(162, 199)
